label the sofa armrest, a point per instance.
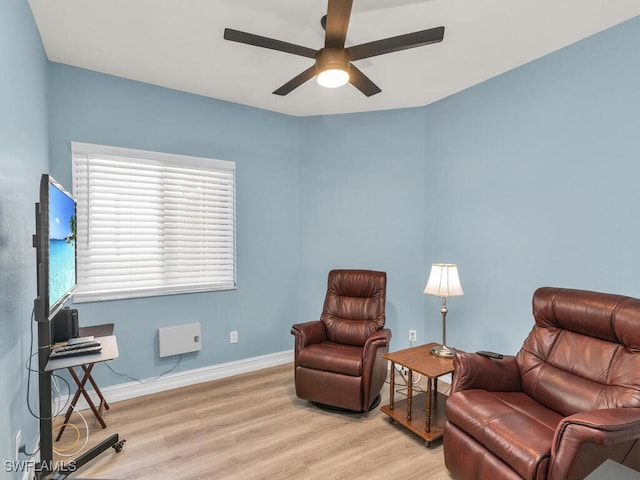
(308, 333)
(584, 440)
(475, 371)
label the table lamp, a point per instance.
(443, 282)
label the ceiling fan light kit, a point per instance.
(333, 67)
(332, 78)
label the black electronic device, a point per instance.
(74, 352)
(65, 325)
(55, 242)
(76, 346)
(494, 355)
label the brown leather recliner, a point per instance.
(566, 402)
(338, 359)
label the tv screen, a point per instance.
(56, 230)
(62, 245)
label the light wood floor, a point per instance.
(252, 426)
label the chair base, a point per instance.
(334, 409)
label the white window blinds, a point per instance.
(152, 223)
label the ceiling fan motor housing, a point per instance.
(331, 58)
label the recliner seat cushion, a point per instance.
(332, 357)
(511, 425)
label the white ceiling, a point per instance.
(178, 44)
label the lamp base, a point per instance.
(443, 351)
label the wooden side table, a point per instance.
(427, 423)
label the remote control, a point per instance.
(484, 353)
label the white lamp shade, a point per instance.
(443, 280)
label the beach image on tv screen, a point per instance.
(62, 244)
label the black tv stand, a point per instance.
(46, 468)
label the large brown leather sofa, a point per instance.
(338, 359)
(566, 402)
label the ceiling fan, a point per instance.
(333, 65)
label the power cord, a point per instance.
(402, 390)
(54, 387)
(61, 451)
(404, 372)
(30, 371)
(54, 376)
(124, 375)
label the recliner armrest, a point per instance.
(591, 437)
(602, 427)
(378, 339)
(475, 371)
(308, 333)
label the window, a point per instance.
(152, 223)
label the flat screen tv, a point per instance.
(56, 248)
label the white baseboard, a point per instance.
(126, 391)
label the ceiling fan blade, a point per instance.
(265, 42)
(362, 82)
(338, 13)
(395, 44)
(296, 81)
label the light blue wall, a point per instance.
(533, 179)
(529, 179)
(23, 158)
(362, 178)
(96, 108)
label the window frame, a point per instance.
(209, 180)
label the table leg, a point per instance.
(72, 405)
(392, 384)
(409, 394)
(428, 415)
(82, 391)
(85, 394)
(103, 401)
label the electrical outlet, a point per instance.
(412, 335)
(18, 444)
(233, 337)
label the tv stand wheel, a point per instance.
(118, 446)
